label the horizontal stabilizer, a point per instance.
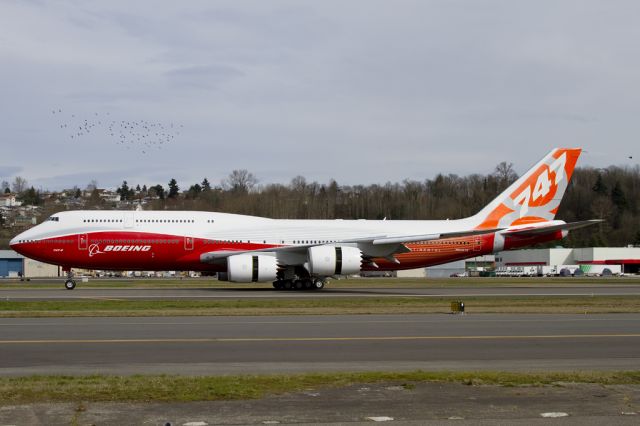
(539, 230)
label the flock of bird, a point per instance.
(142, 135)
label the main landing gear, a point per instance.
(299, 284)
(70, 283)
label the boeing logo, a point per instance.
(127, 248)
(95, 249)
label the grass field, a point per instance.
(143, 388)
(320, 306)
(341, 283)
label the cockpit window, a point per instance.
(53, 219)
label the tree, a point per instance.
(4, 187)
(19, 185)
(31, 197)
(124, 191)
(298, 183)
(240, 181)
(157, 190)
(174, 189)
(206, 186)
(78, 193)
(618, 198)
(194, 191)
(505, 174)
(92, 185)
(600, 187)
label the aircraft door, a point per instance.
(83, 241)
(128, 219)
(188, 243)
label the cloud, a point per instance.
(359, 91)
(8, 171)
(202, 77)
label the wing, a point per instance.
(394, 242)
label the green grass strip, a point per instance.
(320, 306)
(204, 282)
(140, 388)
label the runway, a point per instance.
(241, 292)
(234, 345)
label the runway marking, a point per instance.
(316, 339)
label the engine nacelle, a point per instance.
(334, 260)
(245, 268)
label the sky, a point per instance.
(362, 92)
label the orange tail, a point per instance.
(535, 196)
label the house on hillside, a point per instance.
(9, 200)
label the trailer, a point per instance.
(601, 270)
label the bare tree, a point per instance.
(240, 181)
(298, 183)
(505, 174)
(19, 185)
(92, 185)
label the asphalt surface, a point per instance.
(23, 294)
(233, 345)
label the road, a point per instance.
(228, 345)
(34, 293)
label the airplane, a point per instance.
(302, 254)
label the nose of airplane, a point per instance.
(15, 243)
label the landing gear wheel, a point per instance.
(277, 285)
(287, 285)
(318, 284)
(308, 284)
(70, 284)
(298, 284)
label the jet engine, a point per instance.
(334, 260)
(245, 268)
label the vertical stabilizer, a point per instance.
(535, 196)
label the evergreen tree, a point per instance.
(600, 187)
(618, 198)
(174, 190)
(124, 191)
(206, 186)
(194, 191)
(158, 191)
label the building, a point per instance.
(13, 265)
(411, 273)
(9, 200)
(460, 267)
(627, 257)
